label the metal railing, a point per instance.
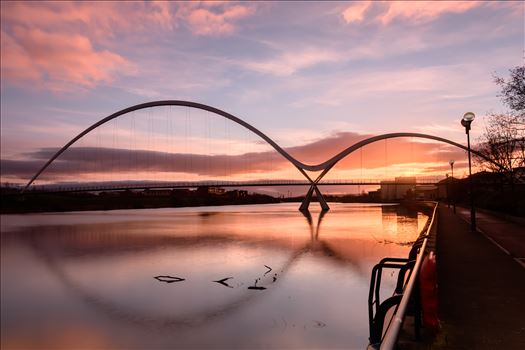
(402, 294)
(390, 339)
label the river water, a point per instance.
(235, 277)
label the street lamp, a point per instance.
(451, 162)
(448, 192)
(466, 121)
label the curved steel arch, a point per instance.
(329, 164)
(325, 167)
(224, 114)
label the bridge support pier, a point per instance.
(308, 198)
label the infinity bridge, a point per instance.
(323, 167)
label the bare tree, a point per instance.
(503, 141)
(513, 91)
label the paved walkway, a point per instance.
(508, 236)
(481, 285)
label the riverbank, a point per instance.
(12, 202)
(148, 199)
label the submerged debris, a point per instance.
(255, 286)
(319, 324)
(169, 279)
(223, 282)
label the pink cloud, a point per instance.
(205, 21)
(105, 18)
(162, 14)
(356, 11)
(50, 45)
(16, 65)
(63, 46)
(423, 11)
(413, 11)
(58, 61)
(97, 20)
(289, 62)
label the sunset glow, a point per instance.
(315, 90)
(262, 174)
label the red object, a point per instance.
(429, 292)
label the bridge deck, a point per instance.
(194, 184)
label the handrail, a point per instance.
(390, 339)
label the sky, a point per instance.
(313, 76)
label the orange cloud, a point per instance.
(393, 157)
(377, 154)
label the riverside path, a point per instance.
(481, 282)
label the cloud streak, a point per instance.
(289, 62)
(410, 11)
(81, 161)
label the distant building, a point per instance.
(374, 195)
(208, 190)
(397, 189)
(445, 187)
(427, 192)
(156, 193)
(236, 194)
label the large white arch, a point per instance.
(324, 167)
(190, 104)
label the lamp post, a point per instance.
(448, 192)
(466, 121)
(451, 162)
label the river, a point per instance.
(231, 277)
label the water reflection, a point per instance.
(229, 277)
(398, 222)
(314, 229)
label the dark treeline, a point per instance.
(13, 202)
(492, 191)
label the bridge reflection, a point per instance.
(110, 265)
